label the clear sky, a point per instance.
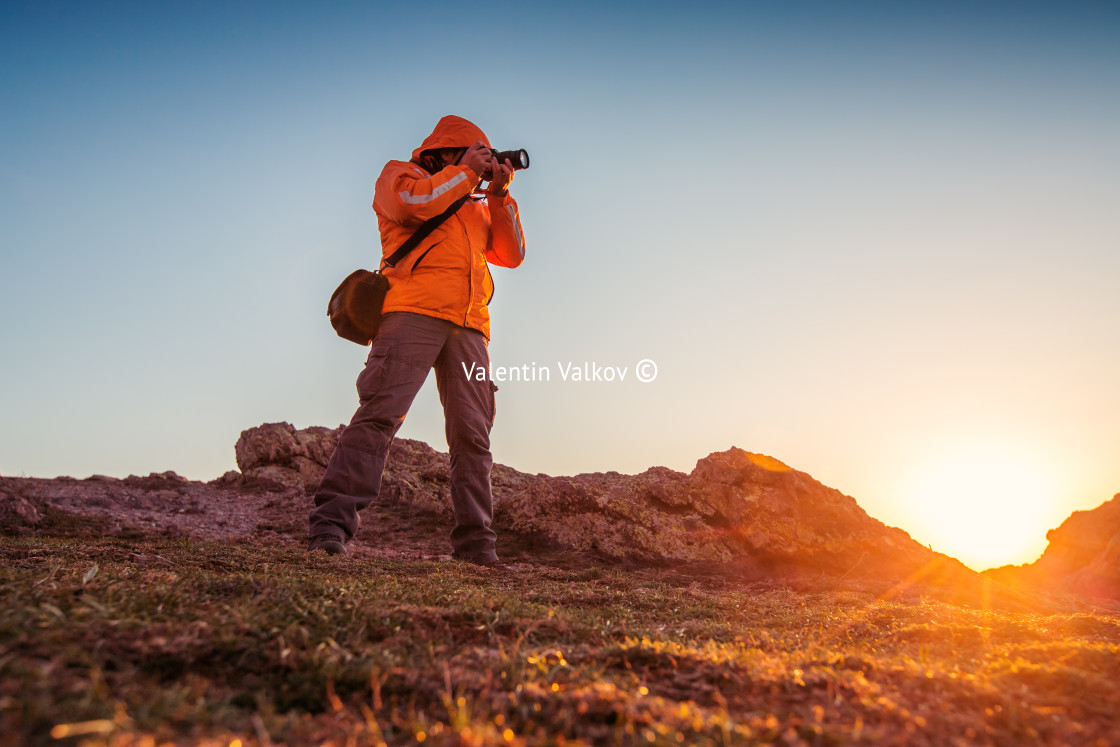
(878, 241)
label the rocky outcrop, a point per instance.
(1082, 557)
(735, 511)
(277, 453)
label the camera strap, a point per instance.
(422, 233)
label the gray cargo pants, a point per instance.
(407, 346)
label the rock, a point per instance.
(155, 481)
(271, 443)
(230, 479)
(273, 476)
(17, 513)
(318, 443)
(278, 454)
(1101, 577)
(309, 471)
(418, 476)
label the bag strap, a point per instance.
(422, 233)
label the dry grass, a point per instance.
(149, 641)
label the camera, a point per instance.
(519, 158)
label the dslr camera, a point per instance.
(519, 158)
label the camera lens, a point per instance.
(519, 158)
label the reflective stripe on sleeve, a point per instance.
(516, 230)
(411, 199)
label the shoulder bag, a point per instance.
(355, 306)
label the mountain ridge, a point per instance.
(737, 513)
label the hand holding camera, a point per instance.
(479, 158)
(495, 166)
(501, 174)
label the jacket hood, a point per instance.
(452, 132)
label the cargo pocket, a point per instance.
(493, 401)
(369, 380)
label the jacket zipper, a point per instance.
(470, 290)
(470, 271)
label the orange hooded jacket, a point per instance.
(446, 276)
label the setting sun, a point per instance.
(984, 505)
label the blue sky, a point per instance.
(874, 240)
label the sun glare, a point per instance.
(984, 506)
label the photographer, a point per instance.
(435, 316)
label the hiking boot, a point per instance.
(328, 543)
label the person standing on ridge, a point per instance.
(435, 316)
